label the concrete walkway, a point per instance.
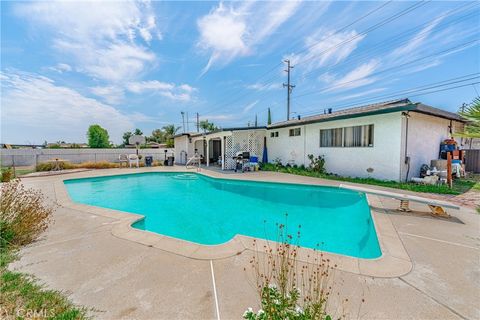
(121, 279)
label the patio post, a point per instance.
(207, 156)
(223, 151)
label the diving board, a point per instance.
(436, 206)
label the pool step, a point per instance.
(186, 176)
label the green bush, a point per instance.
(287, 288)
(7, 175)
(317, 164)
(23, 215)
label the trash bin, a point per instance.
(148, 161)
(170, 161)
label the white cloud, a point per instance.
(217, 117)
(35, 107)
(235, 30)
(183, 92)
(99, 36)
(111, 94)
(326, 47)
(249, 106)
(264, 86)
(417, 41)
(358, 77)
(153, 85)
(61, 68)
(358, 95)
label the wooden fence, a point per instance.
(472, 160)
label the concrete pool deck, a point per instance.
(123, 279)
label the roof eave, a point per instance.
(408, 107)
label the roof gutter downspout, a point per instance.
(406, 157)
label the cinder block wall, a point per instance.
(31, 157)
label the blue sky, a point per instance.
(123, 65)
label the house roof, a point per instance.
(196, 134)
(371, 109)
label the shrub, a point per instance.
(48, 166)
(317, 164)
(157, 163)
(287, 288)
(23, 214)
(7, 175)
(98, 165)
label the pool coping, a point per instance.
(394, 261)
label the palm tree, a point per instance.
(170, 131)
(207, 126)
(471, 113)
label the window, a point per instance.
(357, 136)
(294, 132)
(274, 134)
(331, 137)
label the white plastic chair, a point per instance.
(123, 158)
(133, 158)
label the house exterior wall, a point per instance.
(425, 133)
(384, 157)
(183, 149)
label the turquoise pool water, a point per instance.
(212, 211)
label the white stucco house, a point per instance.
(388, 140)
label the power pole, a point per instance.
(188, 128)
(183, 120)
(288, 86)
(198, 123)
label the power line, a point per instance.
(419, 90)
(458, 9)
(443, 52)
(368, 30)
(374, 27)
(365, 54)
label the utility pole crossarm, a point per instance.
(288, 86)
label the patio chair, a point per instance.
(133, 159)
(123, 158)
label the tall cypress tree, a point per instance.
(269, 121)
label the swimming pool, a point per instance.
(212, 211)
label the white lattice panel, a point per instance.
(239, 141)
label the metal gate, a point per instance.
(472, 160)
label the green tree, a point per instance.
(269, 121)
(138, 132)
(126, 136)
(207, 126)
(157, 136)
(170, 131)
(97, 137)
